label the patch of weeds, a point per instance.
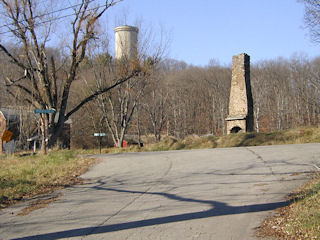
(178, 146)
(299, 220)
(27, 175)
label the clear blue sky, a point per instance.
(218, 29)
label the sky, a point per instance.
(201, 30)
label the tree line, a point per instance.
(146, 96)
(180, 100)
(177, 99)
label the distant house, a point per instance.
(26, 121)
(9, 120)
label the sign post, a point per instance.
(99, 135)
(43, 112)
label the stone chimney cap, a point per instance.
(244, 54)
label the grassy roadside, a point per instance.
(304, 219)
(293, 136)
(22, 177)
(299, 220)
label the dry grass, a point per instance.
(293, 136)
(25, 176)
(300, 220)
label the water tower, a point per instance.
(126, 42)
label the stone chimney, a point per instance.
(240, 118)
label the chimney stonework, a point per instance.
(240, 118)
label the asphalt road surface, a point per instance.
(198, 194)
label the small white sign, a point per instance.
(99, 134)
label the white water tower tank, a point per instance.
(126, 42)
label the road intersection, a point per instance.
(198, 194)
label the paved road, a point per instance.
(199, 194)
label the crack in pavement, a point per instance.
(133, 200)
(262, 160)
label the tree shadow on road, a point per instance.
(217, 209)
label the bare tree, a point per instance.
(117, 106)
(218, 84)
(156, 103)
(312, 18)
(45, 80)
(260, 93)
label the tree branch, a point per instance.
(15, 60)
(99, 92)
